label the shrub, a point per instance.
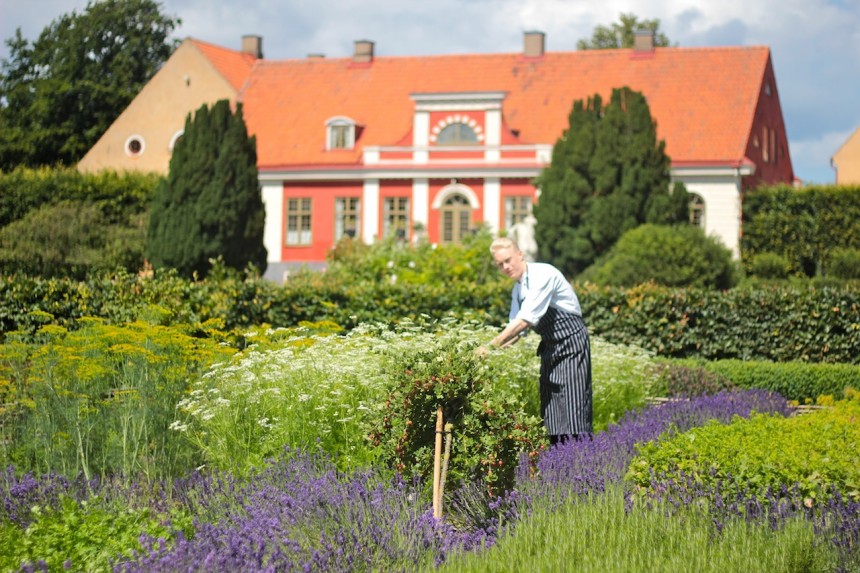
(797, 381)
(769, 266)
(676, 256)
(844, 263)
(761, 454)
(680, 380)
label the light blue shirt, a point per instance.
(542, 286)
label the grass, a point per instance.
(596, 533)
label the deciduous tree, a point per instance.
(622, 34)
(61, 92)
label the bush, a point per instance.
(795, 380)
(70, 239)
(769, 266)
(677, 256)
(680, 380)
(761, 454)
(844, 263)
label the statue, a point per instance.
(524, 234)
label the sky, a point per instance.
(815, 44)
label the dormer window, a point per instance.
(340, 133)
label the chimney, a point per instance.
(644, 40)
(533, 44)
(252, 45)
(363, 53)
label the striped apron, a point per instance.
(565, 373)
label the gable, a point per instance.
(156, 117)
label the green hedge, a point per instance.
(800, 381)
(802, 225)
(778, 324)
(117, 195)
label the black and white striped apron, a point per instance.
(565, 373)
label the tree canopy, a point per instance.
(622, 34)
(608, 174)
(210, 205)
(61, 92)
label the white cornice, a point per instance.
(458, 101)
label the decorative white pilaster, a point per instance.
(273, 233)
(493, 203)
(493, 130)
(370, 210)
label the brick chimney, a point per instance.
(253, 45)
(363, 53)
(533, 44)
(643, 41)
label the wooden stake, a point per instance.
(437, 465)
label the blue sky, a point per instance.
(815, 44)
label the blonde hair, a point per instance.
(503, 243)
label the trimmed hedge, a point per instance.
(802, 225)
(800, 381)
(778, 324)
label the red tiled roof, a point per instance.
(234, 66)
(703, 99)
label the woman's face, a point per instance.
(510, 261)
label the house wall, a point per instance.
(722, 197)
(157, 115)
(846, 161)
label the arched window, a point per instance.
(697, 210)
(455, 219)
(457, 134)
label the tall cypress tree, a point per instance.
(608, 174)
(210, 204)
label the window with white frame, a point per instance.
(298, 222)
(395, 217)
(517, 208)
(346, 217)
(340, 133)
(455, 219)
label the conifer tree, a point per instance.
(210, 204)
(608, 174)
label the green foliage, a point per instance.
(61, 92)
(210, 206)
(69, 239)
(799, 381)
(803, 225)
(100, 399)
(677, 256)
(769, 266)
(762, 452)
(489, 427)
(119, 196)
(844, 263)
(608, 175)
(393, 261)
(777, 323)
(622, 34)
(81, 536)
